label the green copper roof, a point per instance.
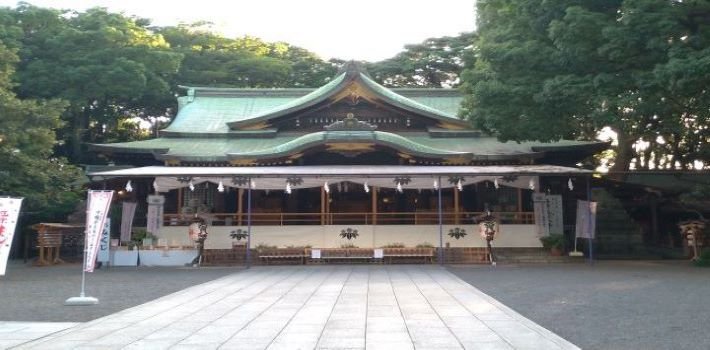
(324, 137)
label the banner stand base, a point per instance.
(80, 301)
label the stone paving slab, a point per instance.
(315, 307)
(16, 333)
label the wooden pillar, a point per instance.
(240, 204)
(456, 205)
(519, 214)
(374, 205)
(322, 206)
(179, 201)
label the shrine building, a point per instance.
(298, 167)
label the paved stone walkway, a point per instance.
(15, 333)
(321, 307)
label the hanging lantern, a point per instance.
(531, 184)
(129, 188)
(220, 186)
(326, 188)
(459, 185)
(366, 187)
(155, 186)
(399, 187)
(253, 184)
(436, 185)
(288, 187)
(570, 185)
(191, 186)
(495, 183)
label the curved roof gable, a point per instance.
(352, 82)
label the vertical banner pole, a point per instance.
(589, 217)
(441, 227)
(98, 204)
(248, 252)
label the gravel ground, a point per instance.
(31, 293)
(607, 305)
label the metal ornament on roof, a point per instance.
(350, 123)
(129, 188)
(457, 181)
(240, 180)
(402, 180)
(399, 187)
(349, 233)
(509, 178)
(184, 179)
(294, 180)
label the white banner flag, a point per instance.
(104, 244)
(9, 211)
(99, 203)
(586, 219)
(129, 211)
(154, 216)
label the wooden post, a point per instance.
(374, 205)
(520, 200)
(240, 208)
(322, 206)
(179, 202)
(456, 205)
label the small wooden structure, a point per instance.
(49, 241)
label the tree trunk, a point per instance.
(79, 124)
(624, 155)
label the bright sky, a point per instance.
(357, 29)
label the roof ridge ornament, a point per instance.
(350, 123)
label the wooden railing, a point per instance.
(401, 218)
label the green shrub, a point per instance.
(704, 259)
(554, 240)
(425, 245)
(393, 245)
(348, 245)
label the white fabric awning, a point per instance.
(408, 177)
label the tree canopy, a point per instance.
(29, 169)
(545, 70)
(435, 63)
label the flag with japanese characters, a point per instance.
(96, 212)
(9, 211)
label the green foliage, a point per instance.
(29, 169)
(436, 62)
(348, 245)
(545, 70)
(264, 246)
(553, 241)
(425, 245)
(393, 245)
(703, 259)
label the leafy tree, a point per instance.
(29, 169)
(107, 66)
(567, 69)
(213, 60)
(436, 62)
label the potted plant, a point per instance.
(554, 243)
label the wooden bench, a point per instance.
(426, 254)
(283, 254)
